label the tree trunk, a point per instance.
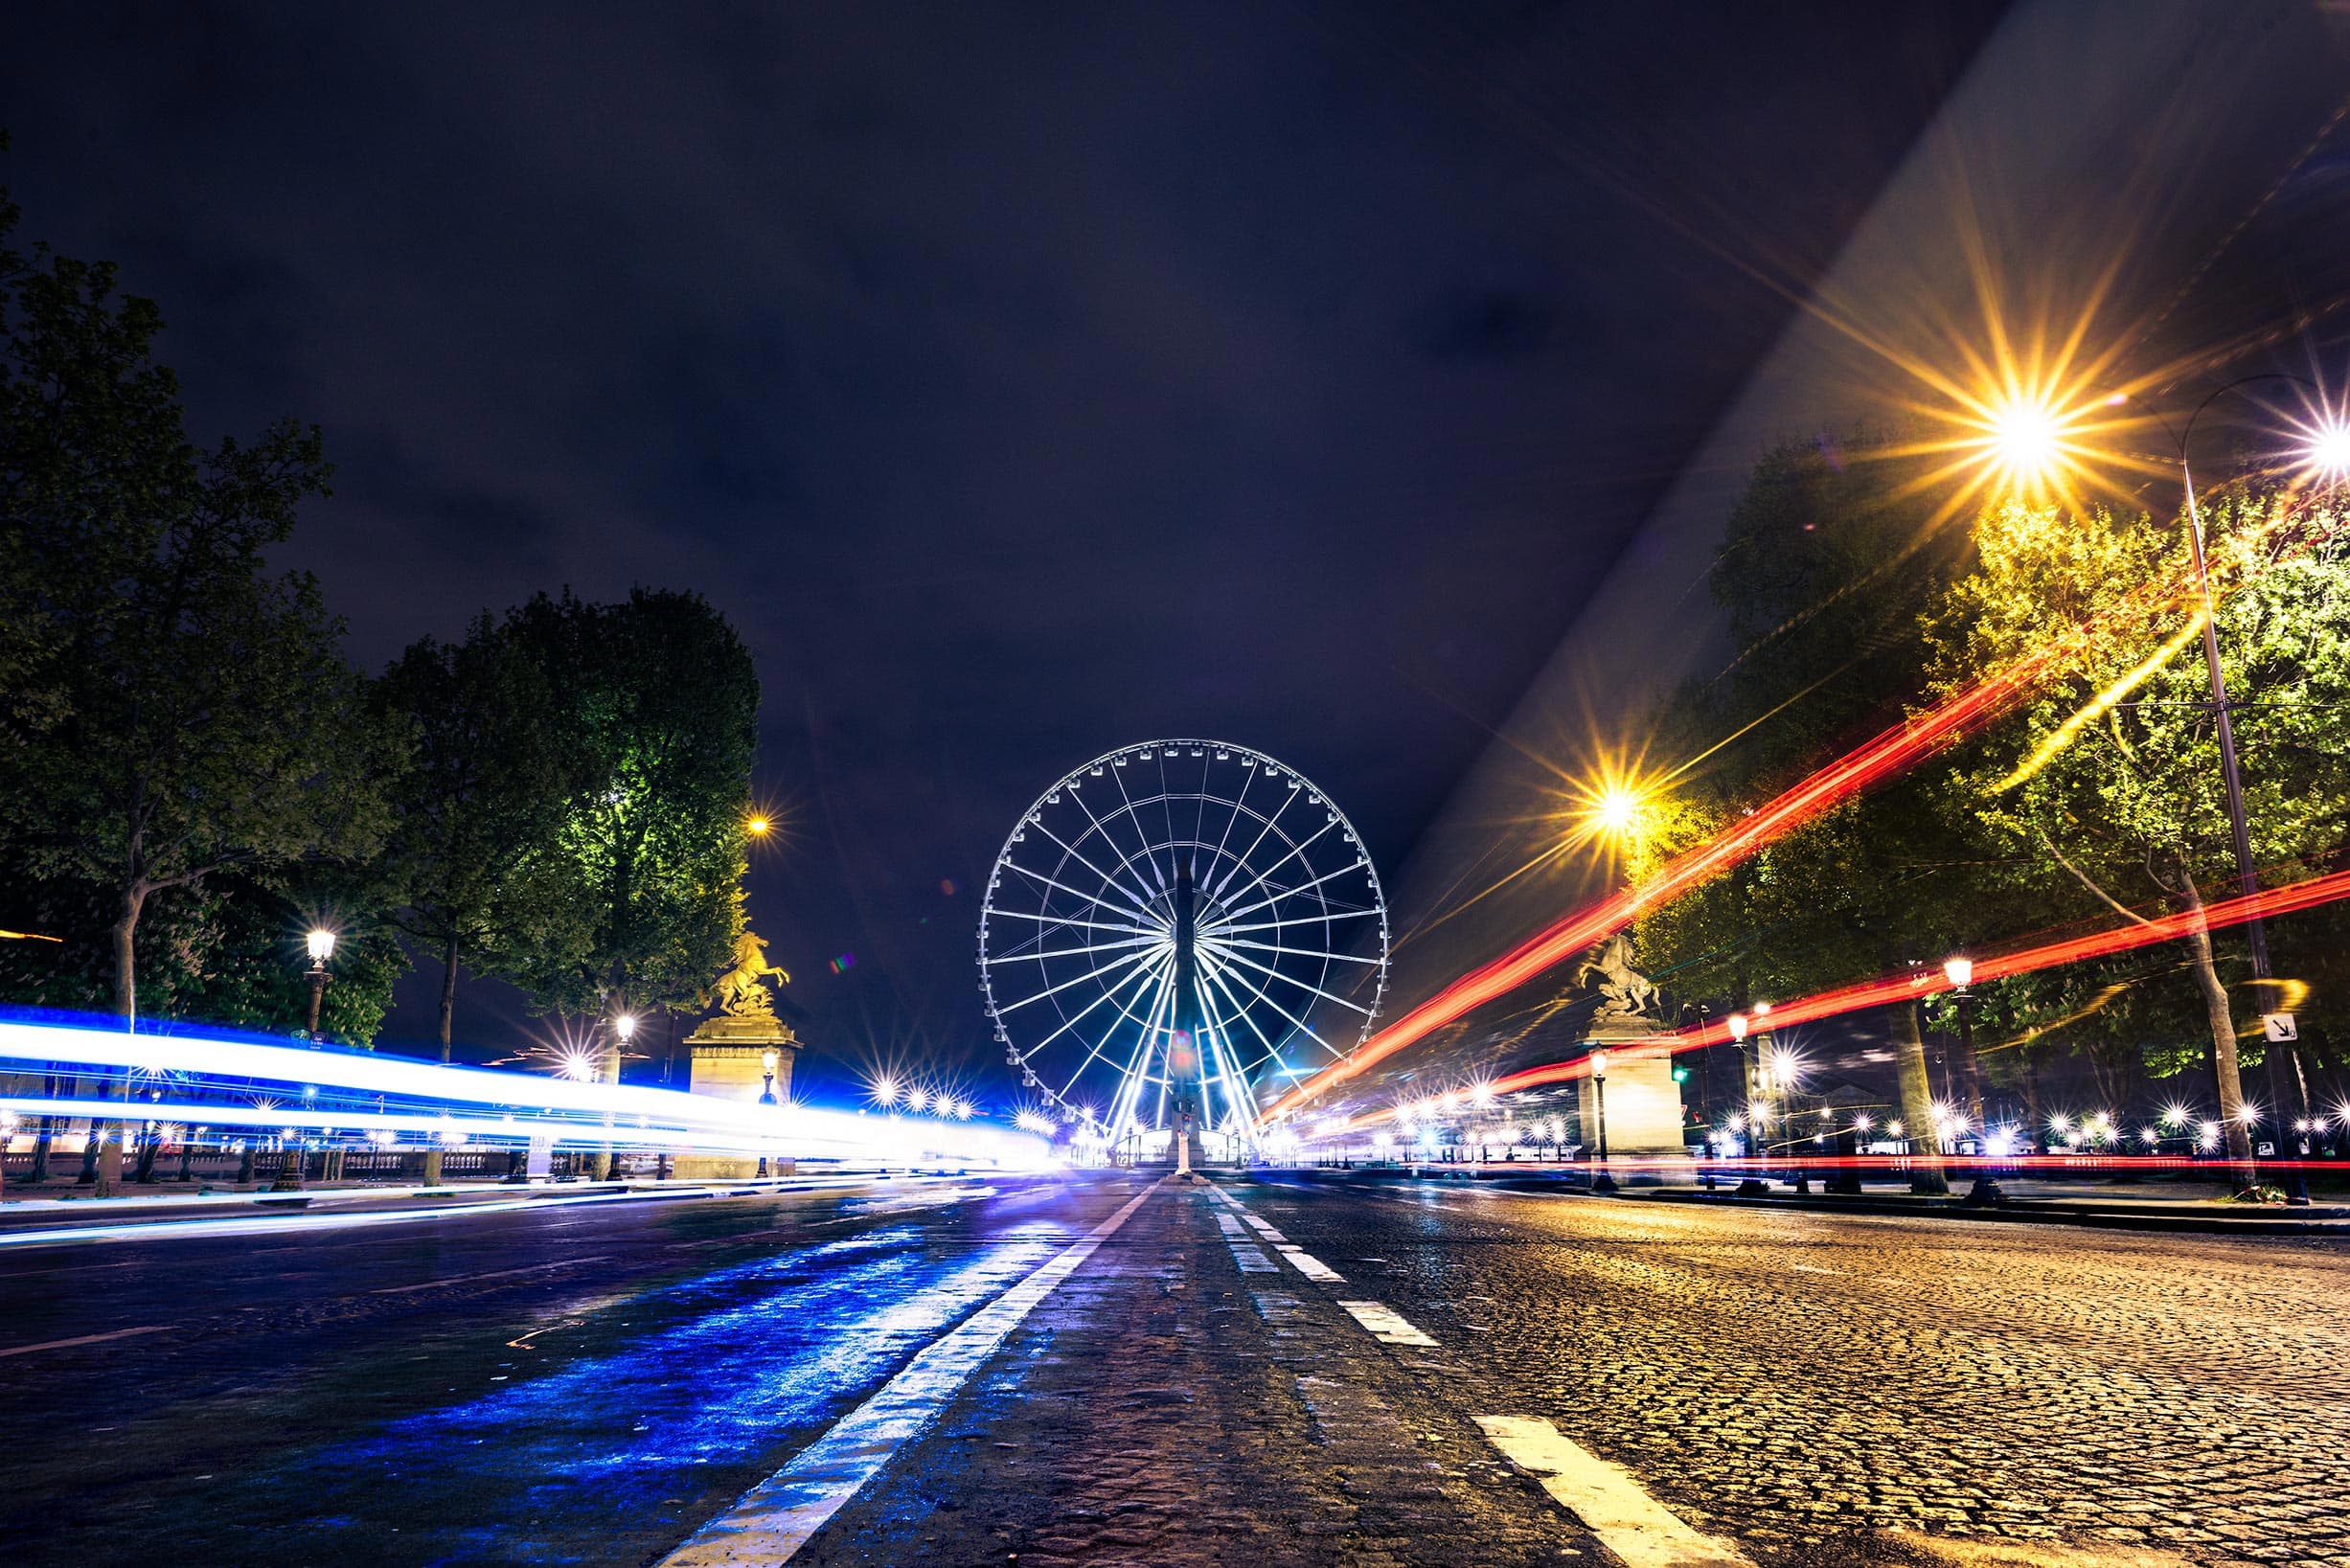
(449, 1017)
(1917, 1100)
(126, 1006)
(2242, 1172)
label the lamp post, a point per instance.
(1737, 1022)
(767, 1061)
(321, 946)
(1602, 1182)
(1961, 972)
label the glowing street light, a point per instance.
(2024, 437)
(2326, 453)
(758, 827)
(624, 1026)
(767, 1062)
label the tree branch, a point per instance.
(2086, 882)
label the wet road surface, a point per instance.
(1278, 1371)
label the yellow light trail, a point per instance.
(2100, 705)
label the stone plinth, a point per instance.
(1644, 1104)
(729, 1054)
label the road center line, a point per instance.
(85, 1339)
(1311, 1267)
(1386, 1325)
(494, 1274)
(1641, 1531)
(776, 1518)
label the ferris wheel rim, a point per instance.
(1243, 942)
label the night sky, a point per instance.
(1021, 382)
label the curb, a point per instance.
(2020, 1210)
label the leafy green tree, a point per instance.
(192, 711)
(2109, 785)
(658, 703)
(1827, 564)
(478, 815)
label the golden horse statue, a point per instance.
(741, 991)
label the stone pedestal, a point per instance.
(1644, 1104)
(729, 1056)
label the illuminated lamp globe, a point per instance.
(321, 943)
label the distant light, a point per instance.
(758, 825)
(1599, 1064)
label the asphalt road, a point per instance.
(594, 1384)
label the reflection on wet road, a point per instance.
(577, 1386)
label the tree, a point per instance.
(478, 815)
(2111, 780)
(658, 703)
(1826, 566)
(192, 711)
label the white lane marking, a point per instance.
(1640, 1531)
(1384, 1325)
(776, 1518)
(1228, 1225)
(85, 1339)
(1251, 1257)
(494, 1274)
(1311, 1267)
(1262, 1228)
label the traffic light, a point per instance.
(1680, 1075)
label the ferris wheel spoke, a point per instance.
(1158, 975)
(1097, 904)
(1240, 803)
(1294, 852)
(1220, 1043)
(1267, 997)
(1075, 979)
(1223, 931)
(1292, 893)
(1148, 940)
(1126, 861)
(1330, 954)
(1241, 1011)
(1290, 979)
(1240, 862)
(1140, 904)
(1127, 1099)
(1109, 993)
(1129, 926)
(1141, 833)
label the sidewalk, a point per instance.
(2185, 1206)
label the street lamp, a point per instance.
(1602, 1182)
(767, 1061)
(1959, 971)
(321, 944)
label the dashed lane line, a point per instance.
(83, 1339)
(1311, 1267)
(494, 1274)
(1640, 1530)
(1385, 1324)
(776, 1518)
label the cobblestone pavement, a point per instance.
(1184, 1399)
(590, 1386)
(1806, 1383)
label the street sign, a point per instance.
(2279, 1027)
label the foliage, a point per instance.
(192, 711)
(475, 814)
(659, 701)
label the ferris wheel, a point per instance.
(1174, 927)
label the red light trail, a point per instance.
(1890, 754)
(1930, 982)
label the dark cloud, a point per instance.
(1022, 381)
